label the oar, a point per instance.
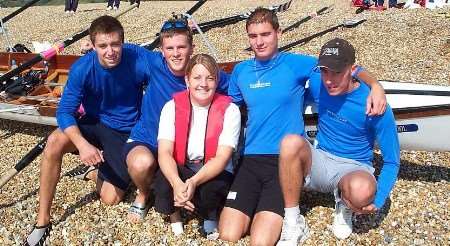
(348, 24)
(205, 26)
(18, 11)
(155, 43)
(237, 18)
(56, 49)
(303, 20)
(25, 161)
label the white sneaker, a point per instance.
(294, 235)
(109, 8)
(177, 228)
(115, 8)
(342, 223)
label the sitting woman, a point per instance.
(198, 131)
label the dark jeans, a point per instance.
(71, 5)
(114, 3)
(392, 3)
(208, 199)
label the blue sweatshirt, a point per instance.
(346, 131)
(162, 85)
(273, 91)
(112, 96)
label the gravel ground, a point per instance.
(406, 45)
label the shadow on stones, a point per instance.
(88, 198)
(414, 172)
(12, 127)
(21, 199)
(90, 10)
(366, 222)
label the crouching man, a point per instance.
(198, 131)
(341, 161)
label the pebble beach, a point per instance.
(396, 44)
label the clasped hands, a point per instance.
(183, 193)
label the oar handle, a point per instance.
(8, 176)
(31, 155)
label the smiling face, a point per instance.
(263, 39)
(337, 83)
(109, 48)
(177, 50)
(201, 84)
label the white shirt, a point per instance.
(196, 140)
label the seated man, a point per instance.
(198, 131)
(167, 77)
(101, 82)
(341, 162)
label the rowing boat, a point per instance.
(422, 111)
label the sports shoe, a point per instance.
(109, 8)
(38, 236)
(294, 234)
(342, 223)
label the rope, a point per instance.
(211, 48)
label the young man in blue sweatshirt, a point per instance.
(108, 83)
(341, 161)
(166, 78)
(272, 86)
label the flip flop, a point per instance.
(38, 235)
(81, 172)
(139, 209)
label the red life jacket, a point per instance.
(214, 125)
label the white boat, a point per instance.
(422, 114)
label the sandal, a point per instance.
(39, 235)
(139, 209)
(81, 172)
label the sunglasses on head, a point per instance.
(172, 25)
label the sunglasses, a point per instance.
(172, 25)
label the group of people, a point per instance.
(179, 136)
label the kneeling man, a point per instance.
(341, 161)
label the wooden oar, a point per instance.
(56, 49)
(25, 161)
(348, 24)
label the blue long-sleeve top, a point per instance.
(162, 85)
(346, 131)
(112, 96)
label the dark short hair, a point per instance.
(263, 15)
(207, 61)
(170, 32)
(105, 24)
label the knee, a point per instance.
(141, 163)
(360, 190)
(55, 144)
(226, 234)
(293, 144)
(110, 198)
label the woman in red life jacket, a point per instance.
(198, 131)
